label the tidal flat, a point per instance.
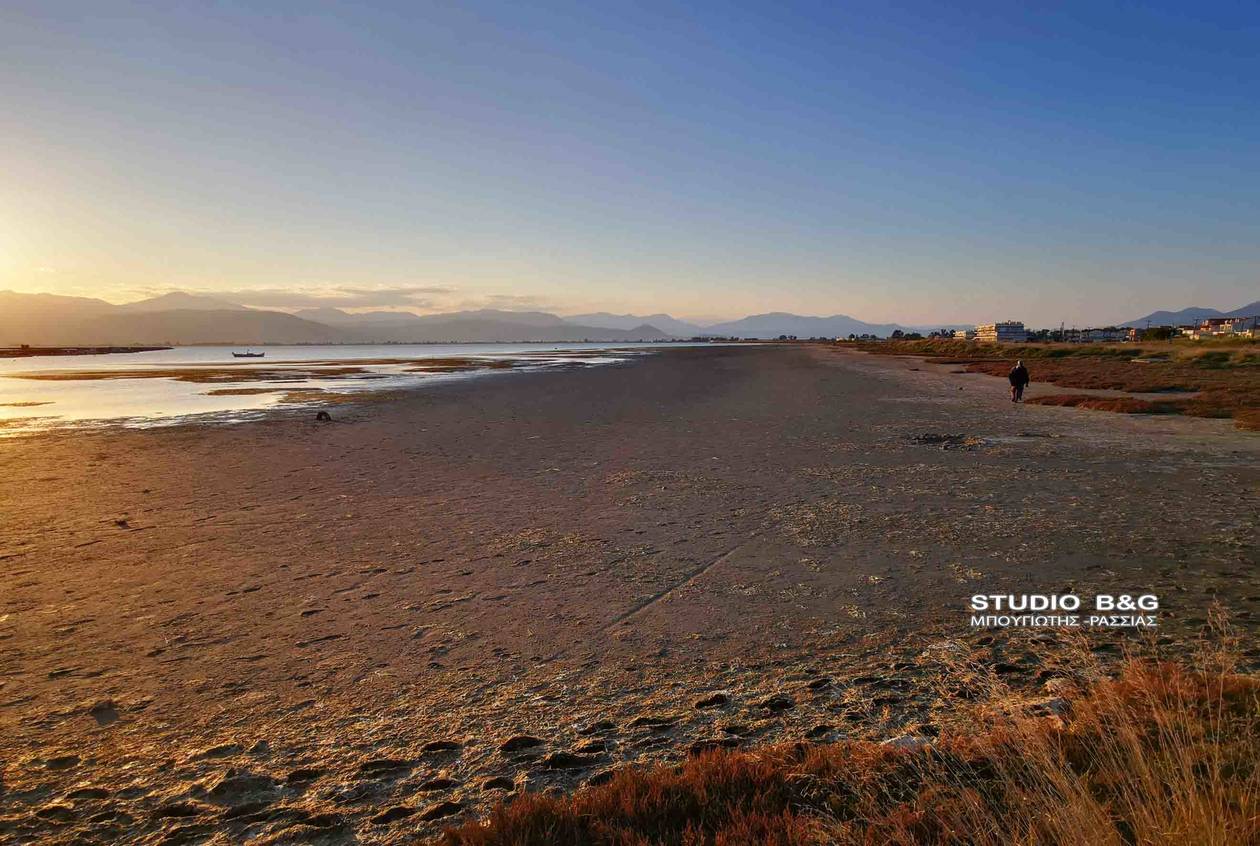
(365, 630)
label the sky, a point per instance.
(911, 162)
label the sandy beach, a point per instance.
(359, 631)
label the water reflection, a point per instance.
(207, 384)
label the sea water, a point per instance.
(135, 396)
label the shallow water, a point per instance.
(172, 386)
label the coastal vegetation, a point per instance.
(1201, 379)
(1157, 753)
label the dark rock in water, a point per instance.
(652, 722)
(819, 731)
(1003, 668)
(778, 702)
(566, 761)
(592, 747)
(737, 729)
(440, 810)
(438, 784)
(519, 742)
(717, 700)
(437, 746)
(323, 416)
(498, 783)
(819, 684)
(389, 815)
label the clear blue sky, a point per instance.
(1088, 162)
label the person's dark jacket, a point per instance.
(1019, 376)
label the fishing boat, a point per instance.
(248, 354)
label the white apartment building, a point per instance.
(1003, 332)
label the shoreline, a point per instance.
(195, 392)
(33, 352)
(435, 575)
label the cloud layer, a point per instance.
(409, 297)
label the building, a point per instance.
(1105, 335)
(1004, 332)
(1217, 327)
(964, 334)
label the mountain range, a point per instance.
(1191, 315)
(182, 318)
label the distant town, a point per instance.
(1014, 332)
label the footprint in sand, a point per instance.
(384, 767)
(104, 712)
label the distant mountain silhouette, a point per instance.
(183, 318)
(49, 320)
(194, 326)
(778, 323)
(466, 329)
(46, 318)
(672, 325)
(1192, 315)
(179, 300)
(337, 317)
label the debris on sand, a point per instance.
(948, 441)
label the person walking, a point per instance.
(1018, 377)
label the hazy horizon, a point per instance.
(296, 302)
(916, 165)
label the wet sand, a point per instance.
(303, 632)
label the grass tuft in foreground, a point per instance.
(1158, 754)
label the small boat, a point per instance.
(248, 354)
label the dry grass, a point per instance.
(1158, 754)
(1123, 405)
(1217, 379)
